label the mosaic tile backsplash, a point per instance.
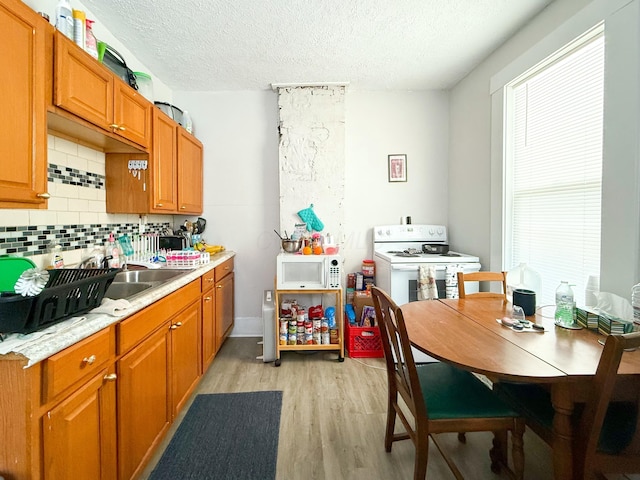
(73, 176)
(31, 240)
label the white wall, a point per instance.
(475, 193)
(241, 203)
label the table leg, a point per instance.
(562, 431)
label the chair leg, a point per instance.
(391, 424)
(422, 457)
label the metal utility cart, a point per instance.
(321, 295)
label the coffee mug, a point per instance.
(526, 299)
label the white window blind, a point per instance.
(553, 167)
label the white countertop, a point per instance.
(40, 345)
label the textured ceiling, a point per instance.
(216, 45)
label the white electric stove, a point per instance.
(398, 253)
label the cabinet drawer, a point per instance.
(136, 328)
(208, 279)
(76, 362)
(223, 269)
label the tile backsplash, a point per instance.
(76, 216)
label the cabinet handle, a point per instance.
(114, 125)
(183, 207)
(176, 325)
(110, 377)
(45, 195)
(218, 286)
(121, 128)
(209, 280)
(89, 360)
(207, 299)
(159, 205)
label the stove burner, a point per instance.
(406, 254)
(450, 254)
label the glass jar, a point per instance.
(368, 268)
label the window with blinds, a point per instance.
(553, 167)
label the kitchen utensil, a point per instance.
(201, 222)
(291, 246)
(279, 236)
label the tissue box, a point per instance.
(587, 318)
(611, 325)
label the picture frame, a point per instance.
(398, 167)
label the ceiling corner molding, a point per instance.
(276, 86)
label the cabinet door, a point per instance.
(224, 308)
(79, 434)
(82, 85)
(23, 141)
(190, 173)
(208, 328)
(131, 114)
(164, 164)
(185, 354)
(144, 413)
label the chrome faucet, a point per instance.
(95, 262)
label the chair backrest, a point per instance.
(482, 277)
(590, 432)
(401, 368)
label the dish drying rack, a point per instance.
(68, 292)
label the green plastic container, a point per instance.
(10, 270)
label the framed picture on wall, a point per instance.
(398, 168)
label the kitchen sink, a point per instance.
(125, 290)
(147, 276)
(133, 282)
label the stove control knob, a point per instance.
(431, 231)
(388, 232)
(440, 232)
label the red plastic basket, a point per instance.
(364, 342)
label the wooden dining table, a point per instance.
(465, 333)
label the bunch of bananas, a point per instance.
(211, 249)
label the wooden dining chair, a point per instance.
(482, 277)
(607, 434)
(441, 398)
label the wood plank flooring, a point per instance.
(333, 419)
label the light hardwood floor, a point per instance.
(333, 419)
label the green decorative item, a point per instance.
(309, 217)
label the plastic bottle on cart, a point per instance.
(565, 304)
(523, 276)
(635, 302)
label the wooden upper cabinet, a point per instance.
(164, 166)
(190, 177)
(89, 90)
(23, 127)
(132, 114)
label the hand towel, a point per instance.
(427, 288)
(115, 308)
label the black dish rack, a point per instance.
(68, 292)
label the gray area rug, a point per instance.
(230, 436)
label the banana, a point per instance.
(213, 249)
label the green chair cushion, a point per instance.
(534, 402)
(452, 393)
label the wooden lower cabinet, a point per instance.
(79, 434)
(185, 355)
(224, 308)
(144, 414)
(100, 408)
(208, 301)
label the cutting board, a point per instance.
(10, 270)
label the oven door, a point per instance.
(404, 281)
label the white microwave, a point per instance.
(308, 272)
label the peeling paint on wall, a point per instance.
(312, 155)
